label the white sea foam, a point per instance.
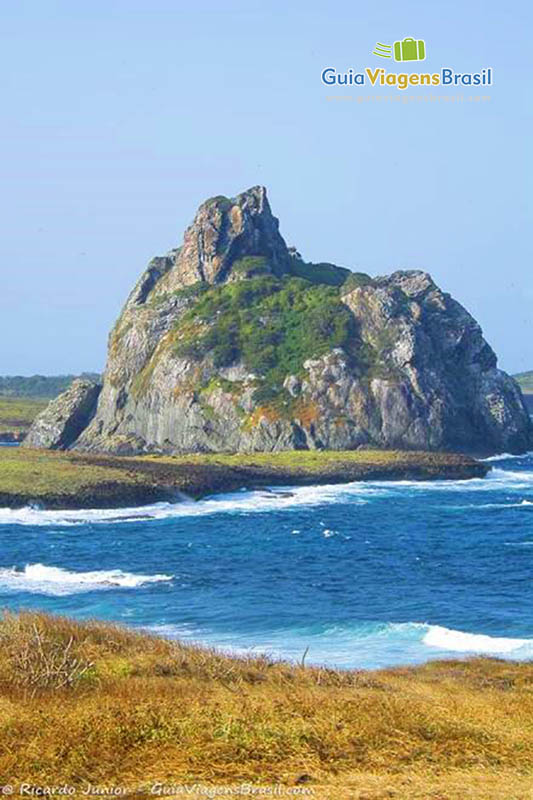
(30, 515)
(521, 504)
(363, 645)
(268, 499)
(511, 476)
(459, 642)
(507, 456)
(448, 640)
(42, 579)
(245, 502)
(527, 543)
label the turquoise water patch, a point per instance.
(359, 575)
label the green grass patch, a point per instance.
(525, 380)
(17, 413)
(39, 473)
(75, 480)
(356, 280)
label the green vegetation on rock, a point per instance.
(355, 280)
(219, 200)
(328, 274)
(191, 292)
(272, 325)
(251, 267)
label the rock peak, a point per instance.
(225, 231)
(256, 195)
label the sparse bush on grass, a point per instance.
(36, 657)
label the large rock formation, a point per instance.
(65, 417)
(233, 343)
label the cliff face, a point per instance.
(233, 343)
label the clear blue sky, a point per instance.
(121, 116)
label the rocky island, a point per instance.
(233, 343)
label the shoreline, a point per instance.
(11, 437)
(70, 480)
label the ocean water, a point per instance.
(361, 575)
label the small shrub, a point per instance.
(192, 291)
(324, 273)
(251, 266)
(356, 280)
(219, 200)
(38, 658)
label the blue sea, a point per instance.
(360, 575)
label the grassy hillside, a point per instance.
(75, 480)
(525, 379)
(17, 413)
(95, 703)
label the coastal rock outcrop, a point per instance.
(233, 343)
(65, 417)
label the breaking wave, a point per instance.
(507, 456)
(41, 579)
(460, 642)
(246, 501)
(284, 498)
(364, 645)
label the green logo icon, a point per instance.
(410, 50)
(382, 50)
(404, 50)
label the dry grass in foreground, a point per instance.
(94, 703)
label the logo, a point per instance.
(405, 50)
